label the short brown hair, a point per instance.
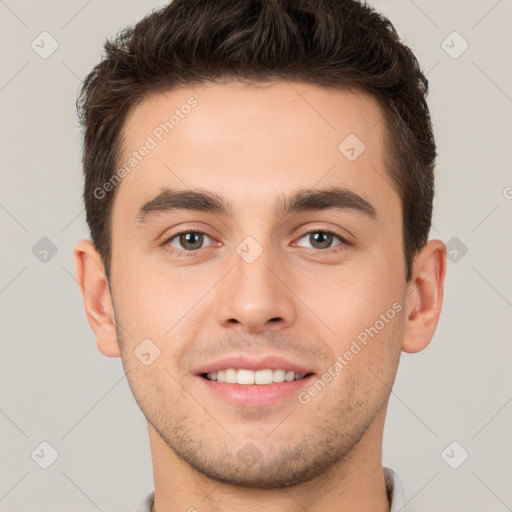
(343, 44)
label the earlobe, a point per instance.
(425, 296)
(93, 285)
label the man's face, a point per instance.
(259, 280)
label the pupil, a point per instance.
(321, 238)
(191, 240)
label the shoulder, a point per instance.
(394, 489)
(147, 503)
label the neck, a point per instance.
(354, 484)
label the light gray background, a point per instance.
(55, 385)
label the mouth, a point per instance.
(246, 388)
(245, 381)
(247, 377)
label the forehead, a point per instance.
(251, 142)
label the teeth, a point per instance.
(230, 376)
(248, 377)
(263, 377)
(245, 376)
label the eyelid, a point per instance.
(324, 229)
(186, 229)
(305, 231)
(175, 236)
(343, 244)
(169, 233)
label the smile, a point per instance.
(251, 377)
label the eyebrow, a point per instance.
(339, 198)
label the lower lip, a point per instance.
(256, 395)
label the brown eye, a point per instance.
(188, 240)
(320, 239)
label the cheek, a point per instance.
(158, 303)
(344, 301)
(143, 308)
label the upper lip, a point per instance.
(243, 361)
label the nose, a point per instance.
(256, 296)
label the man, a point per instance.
(259, 186)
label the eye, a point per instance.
(321, 239)
(188, 240)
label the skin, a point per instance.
(253, 144)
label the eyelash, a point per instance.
(193, 253)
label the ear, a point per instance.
(424, 296)
(93, 285)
